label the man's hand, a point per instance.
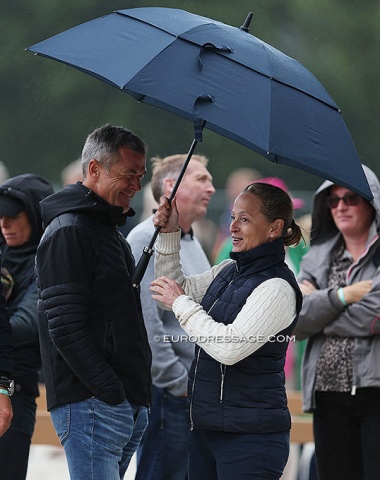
(6, 413)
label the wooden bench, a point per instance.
(301, 432)
(44, 432)
(302, 423)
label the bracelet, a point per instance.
(341, 297)
(4, 392)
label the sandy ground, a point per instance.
(47, 462)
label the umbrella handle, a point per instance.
(142, 264)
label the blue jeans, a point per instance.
(99, 439)
(230, 456)
(162, 454)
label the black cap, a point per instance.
(9, 206)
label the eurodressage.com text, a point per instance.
(223, 338)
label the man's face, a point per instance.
(119, 185)
(195, 190)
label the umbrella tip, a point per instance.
(245, 26)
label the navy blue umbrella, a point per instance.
(221, 77)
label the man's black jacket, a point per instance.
(92, 333)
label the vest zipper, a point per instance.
(192, 392)
(223, 372)
(222, 368)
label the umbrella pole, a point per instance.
(148, 251)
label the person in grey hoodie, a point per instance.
(340, 281)
(162, 453)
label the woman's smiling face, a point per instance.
(249, 228)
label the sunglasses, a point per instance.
(350, 199)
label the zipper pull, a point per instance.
(353, 390)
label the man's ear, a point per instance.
(93, 169)
(168, 186)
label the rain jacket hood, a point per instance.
(30, 189)
(323, 226)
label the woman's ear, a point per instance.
(277, 228)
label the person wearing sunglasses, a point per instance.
(340, 317)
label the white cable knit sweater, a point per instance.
(269, 309)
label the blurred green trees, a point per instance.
(47, 108)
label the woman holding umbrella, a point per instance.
(241, 314)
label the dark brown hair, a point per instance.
(276, 203)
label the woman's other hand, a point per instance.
(165, 291)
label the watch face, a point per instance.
(12, 387)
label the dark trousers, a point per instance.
(15, 443)
(237, 456)
(347, 435)
(162, 454)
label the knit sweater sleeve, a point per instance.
(267, 311)
(167, 263)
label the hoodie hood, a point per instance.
(322, 224)
(76, 198)
(27, 191)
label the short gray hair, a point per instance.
(103, 145)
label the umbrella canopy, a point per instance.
(219, 76)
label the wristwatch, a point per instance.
(7, 384)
